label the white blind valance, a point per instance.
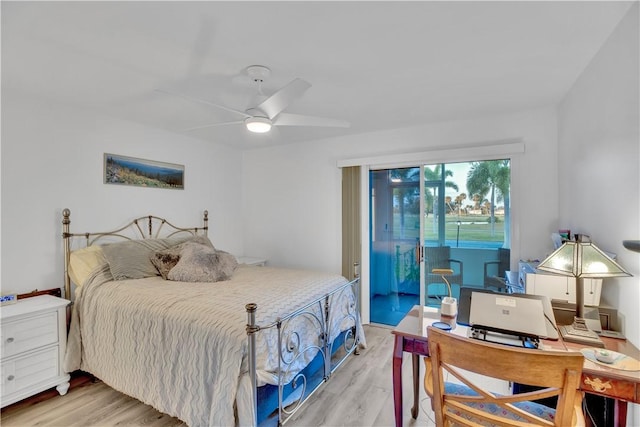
(438, 155)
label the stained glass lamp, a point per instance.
(581, 260)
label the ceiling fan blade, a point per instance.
(202, 101)
(277, 102)
(212, 125)
(202, 47)
(287, 119)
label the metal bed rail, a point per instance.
(290, 347)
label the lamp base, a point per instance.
(449, 307)
(578, 332)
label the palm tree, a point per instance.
(447, 201)
(486, 204)
(435, 174)
(460, 198)
(476, 201)
(492, 177)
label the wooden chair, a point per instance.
(471, 405)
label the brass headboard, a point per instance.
(144, 227)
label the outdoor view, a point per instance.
(466, 221)
(476, 203)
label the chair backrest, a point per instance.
(504, 256)
(494, 271)
(557, 372)
(437, 257)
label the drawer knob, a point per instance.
(10, 339)
(11, 378)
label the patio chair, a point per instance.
(440, 257)
(494, 271)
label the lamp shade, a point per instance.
(582, 260)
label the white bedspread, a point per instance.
(182, 347)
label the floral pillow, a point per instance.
(165, 260)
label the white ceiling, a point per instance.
(378, 65)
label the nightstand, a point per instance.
(260, 262)
(34, 340)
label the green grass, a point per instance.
(473, 227)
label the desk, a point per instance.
(410, 337)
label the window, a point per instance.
(474, 212)
(457, 209)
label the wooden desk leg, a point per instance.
(416, 384)
(397, 379)
(620, 413)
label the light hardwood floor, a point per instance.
(359, 394)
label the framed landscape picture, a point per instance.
(123, 170)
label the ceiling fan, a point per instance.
(268, 111)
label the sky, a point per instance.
(460, 171)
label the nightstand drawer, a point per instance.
(28, 370)
(26, 334)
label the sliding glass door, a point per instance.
(395, 223)
(453, 215)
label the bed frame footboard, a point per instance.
(345, 300)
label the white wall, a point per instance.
(52, 158)
(599, 149)
(291, 194)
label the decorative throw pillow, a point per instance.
(132, 259)
(228, 263)
(166, 259)
(199, 263)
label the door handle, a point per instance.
(419, 252)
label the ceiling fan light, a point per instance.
(258, 124)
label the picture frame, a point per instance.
(125, 170)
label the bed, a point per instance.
(247, 348)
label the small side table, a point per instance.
(34, 339)
(247, 260)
